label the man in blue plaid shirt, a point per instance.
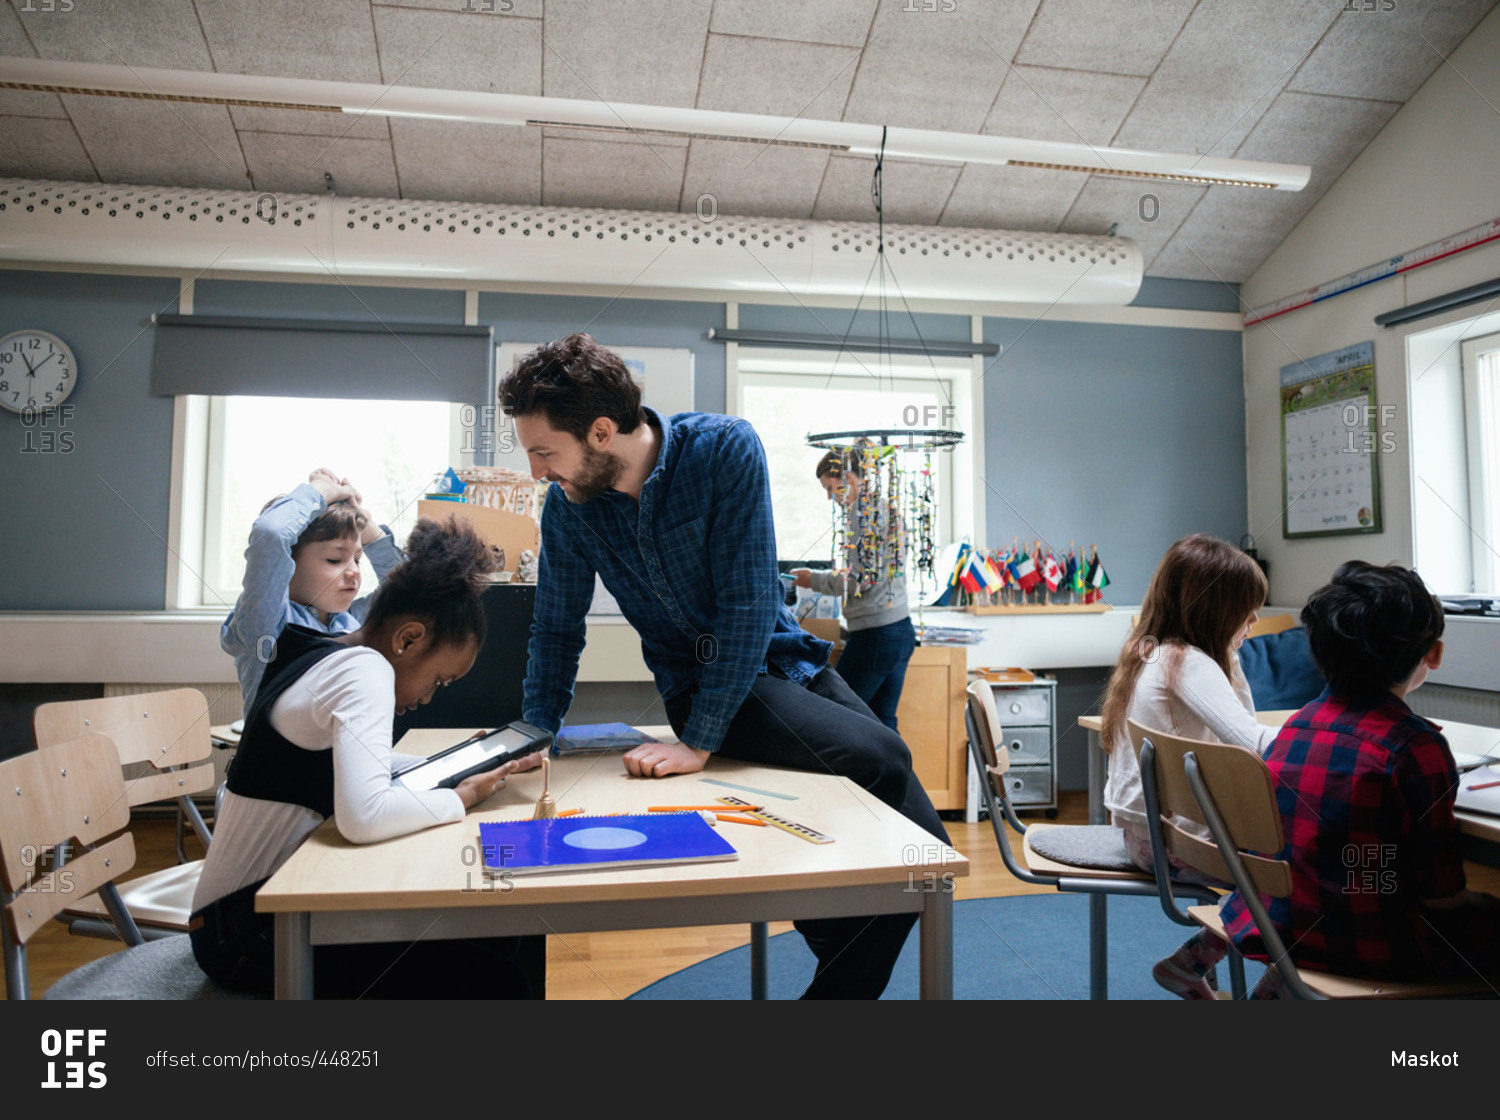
(674, 514)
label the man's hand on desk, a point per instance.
(657, 760)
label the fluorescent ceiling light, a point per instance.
(643, 121)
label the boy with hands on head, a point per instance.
(302, 566)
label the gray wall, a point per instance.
(1127, 437)
(83, 526)
(1122, 436)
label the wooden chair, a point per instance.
(1232, 792)
(1273, 624)
(1088, 859)
(169, 733)
(73, 794)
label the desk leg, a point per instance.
(937, 946)
(1098, 776)
(294, 956)
(760, 944)
(1098, 946)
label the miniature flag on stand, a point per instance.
(1052, 573)
(1097, 579)
(1073, 576)
(1026, 573)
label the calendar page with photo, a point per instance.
(1332, 436)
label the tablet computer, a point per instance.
(446, 769)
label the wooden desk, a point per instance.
(1469, 738)
(431, 883)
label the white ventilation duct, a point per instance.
(195, 230)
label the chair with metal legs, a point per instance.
(165, 736)
(1087, 859)
(1232, 792)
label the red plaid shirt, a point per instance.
(1366, 797)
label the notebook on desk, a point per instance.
(1479, 792)
(528, 847)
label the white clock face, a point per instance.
(37, 371)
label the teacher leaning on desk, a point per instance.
(674, 514)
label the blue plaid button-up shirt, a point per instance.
(693, 568)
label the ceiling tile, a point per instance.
(989, 197)
(646, 54)
(522, 9)
(1067, 105)
(911, 193)
(454, 161)
(43, 148)
(1386, 55)
(841, 22)
(1325, 133)
(938, 69)
(332, 40)
(15, 44)
(159, 143)
(360, 168)
(452, 50)
(1223, 72)
(775, 78)
(156, 33)
(367, 126)
(1111, 36)
(753, 179)
(1147, 213)
(612, 174)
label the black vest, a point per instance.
(267, 765)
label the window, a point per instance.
(241, 451)
(1481, 366)
(1453, 379)
(787, 397)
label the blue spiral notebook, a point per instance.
(590, 843)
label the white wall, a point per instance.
(1432, 171)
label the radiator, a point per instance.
(1462, 705)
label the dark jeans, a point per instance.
(874, 665)
(235, 946)
(825, 727)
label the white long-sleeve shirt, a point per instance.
(1202, 704)
(344, 703)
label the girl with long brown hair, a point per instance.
(1179, 673)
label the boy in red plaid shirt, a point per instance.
(1366, 789)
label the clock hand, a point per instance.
(29, 368)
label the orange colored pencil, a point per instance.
(710, 808)
(740, 820)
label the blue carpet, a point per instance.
(1029, 947)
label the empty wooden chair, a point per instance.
(167, 734)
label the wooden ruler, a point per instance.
(811, 835)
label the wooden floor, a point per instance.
(610, 965)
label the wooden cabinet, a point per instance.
(931, 719)
(930, 715)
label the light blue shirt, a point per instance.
(263, 609)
